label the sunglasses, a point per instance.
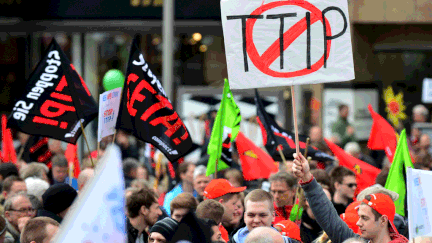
(351, 185)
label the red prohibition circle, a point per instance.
(264, 61)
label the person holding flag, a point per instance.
(376, 211)
(226, 125)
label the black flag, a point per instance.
(55, 101)
(146, 112)
(36, 150)
(274, 136)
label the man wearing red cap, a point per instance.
(376, 211)
(222, 191)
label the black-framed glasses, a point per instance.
(351, 185)
(24, 210)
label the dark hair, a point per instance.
(286, 177)
(184, 200)
(59, 160)
(323, 178)
(226, 197)
(382, 176)
(234, 174)
(8, 182)
(341, 106)
(210, 209)
(129, 164)
(144, 197)
(338, 173)
(8, 169)
(183, 167)
(375, 213)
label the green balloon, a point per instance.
(112, 79)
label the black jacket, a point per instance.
(132, 233)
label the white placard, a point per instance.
(254, 30)
(98, 213)
(427, 90)
(419, 202)
(109, 105)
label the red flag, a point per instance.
(365, 173)
(256, 163)
(382, 135)
(72, 158)
(8, 149)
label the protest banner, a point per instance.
(98, 214)
(284, 43)
(147, 113)
(56, 102)
(109, 104)
(419, 202)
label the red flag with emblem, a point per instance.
(8, 149)
(72, 158)
(382, 135)
(256, 163)
(365, 173)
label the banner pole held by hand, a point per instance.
(307, 145)
(85, 138)
(295, 120)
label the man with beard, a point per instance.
(142, 212)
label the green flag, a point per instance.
(227, 122)
(396, 178)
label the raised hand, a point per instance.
(301, 168)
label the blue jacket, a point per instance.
(171, 195)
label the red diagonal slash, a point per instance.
(264, 61)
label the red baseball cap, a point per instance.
(384, 205)
(219, 187)
(353, 207)
(351, 220)
(289, 228)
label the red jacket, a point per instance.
(282, 213)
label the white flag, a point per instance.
(98, 215)
(419, 202)
(109, 105)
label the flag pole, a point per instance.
(85, 138)
(298, 192)
(295, 120)
(221, 122)
(279, 149)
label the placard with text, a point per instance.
(284, 43)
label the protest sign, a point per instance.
(56, 101)
(419, 202)
(147, 113)
(109, 104)
(282, 43)
(98, 214)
